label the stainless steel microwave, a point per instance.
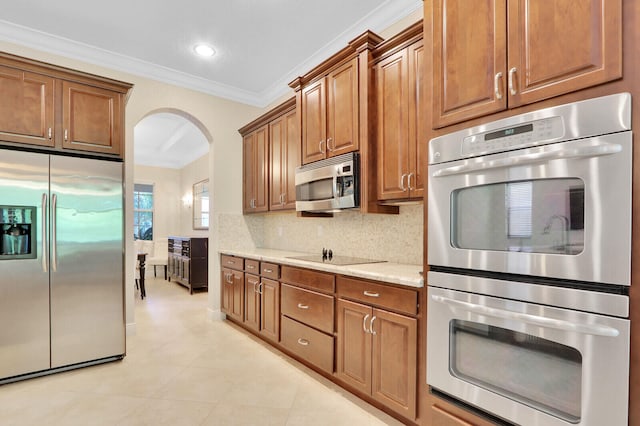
(329, 185)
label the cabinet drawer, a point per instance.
(252, 266)
(309, 344)
(394, 298)
(232, 262)
(270, 270)
(310, 279)
(306, 306)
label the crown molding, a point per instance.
(380, 18)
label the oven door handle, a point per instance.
(524, 159)
(593, 329)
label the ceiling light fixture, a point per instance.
(204, 50)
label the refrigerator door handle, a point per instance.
(44, 233)
(54, 240)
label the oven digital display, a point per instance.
(509, 132)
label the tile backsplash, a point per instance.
(394, 238)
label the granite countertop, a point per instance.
(396, 273)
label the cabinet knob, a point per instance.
(512, 83)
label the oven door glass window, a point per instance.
(534, 216)
(509, 363)
(321, 189)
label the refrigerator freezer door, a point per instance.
(87, 295)
(24, 283)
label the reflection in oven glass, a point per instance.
(533, 216)
(534, 371)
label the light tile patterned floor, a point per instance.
(181, 369)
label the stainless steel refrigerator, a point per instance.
(61, 263)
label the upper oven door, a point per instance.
(560, 211)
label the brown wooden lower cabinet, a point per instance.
(377, 354)
(270, 309)
(232, 301)
(309, 344)
(252, 301)
(376, 342)
(442, 413)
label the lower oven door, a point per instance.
(526, 363)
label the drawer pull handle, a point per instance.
(371, 325)
(231, 262)
(364, 323)
(268, 271)
(303, 342)
(302, 306)
(371, 293)
(251, 267)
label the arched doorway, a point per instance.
(171, 159)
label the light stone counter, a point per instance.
(396, 273)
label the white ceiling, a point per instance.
(167, 140)
(261, 46)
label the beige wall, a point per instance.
(193, 172)
(167, 204)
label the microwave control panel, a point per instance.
(523, 135)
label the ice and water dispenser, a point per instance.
(18, 232)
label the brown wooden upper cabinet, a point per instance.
(330, 114)
(271, 153)
(58, 108)
(91, 118)
(27, 108)
(255, 170)
(401, 126)
(284, 157)
(520, 52)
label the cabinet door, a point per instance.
(354, 345)
(284, 157)
(469, 59)
(277, 172)
(291, 159)
(248, 172)
(342, 109)
(91, 119)
(26, 110)
(314, 121)
(392, 91)
(256, 171)
(251, 302)
(393, 370)
(232, 293)
(270, 309)
(418, 136)
(226, 290)
(562, 46)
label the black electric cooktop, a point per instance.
(335, 260)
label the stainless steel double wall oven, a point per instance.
(529, 249)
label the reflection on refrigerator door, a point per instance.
(60, 262)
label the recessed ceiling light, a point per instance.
(204, 50)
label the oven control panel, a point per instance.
(518, 136)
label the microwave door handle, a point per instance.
(593, 329)
(336, 188)
(521, 160)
